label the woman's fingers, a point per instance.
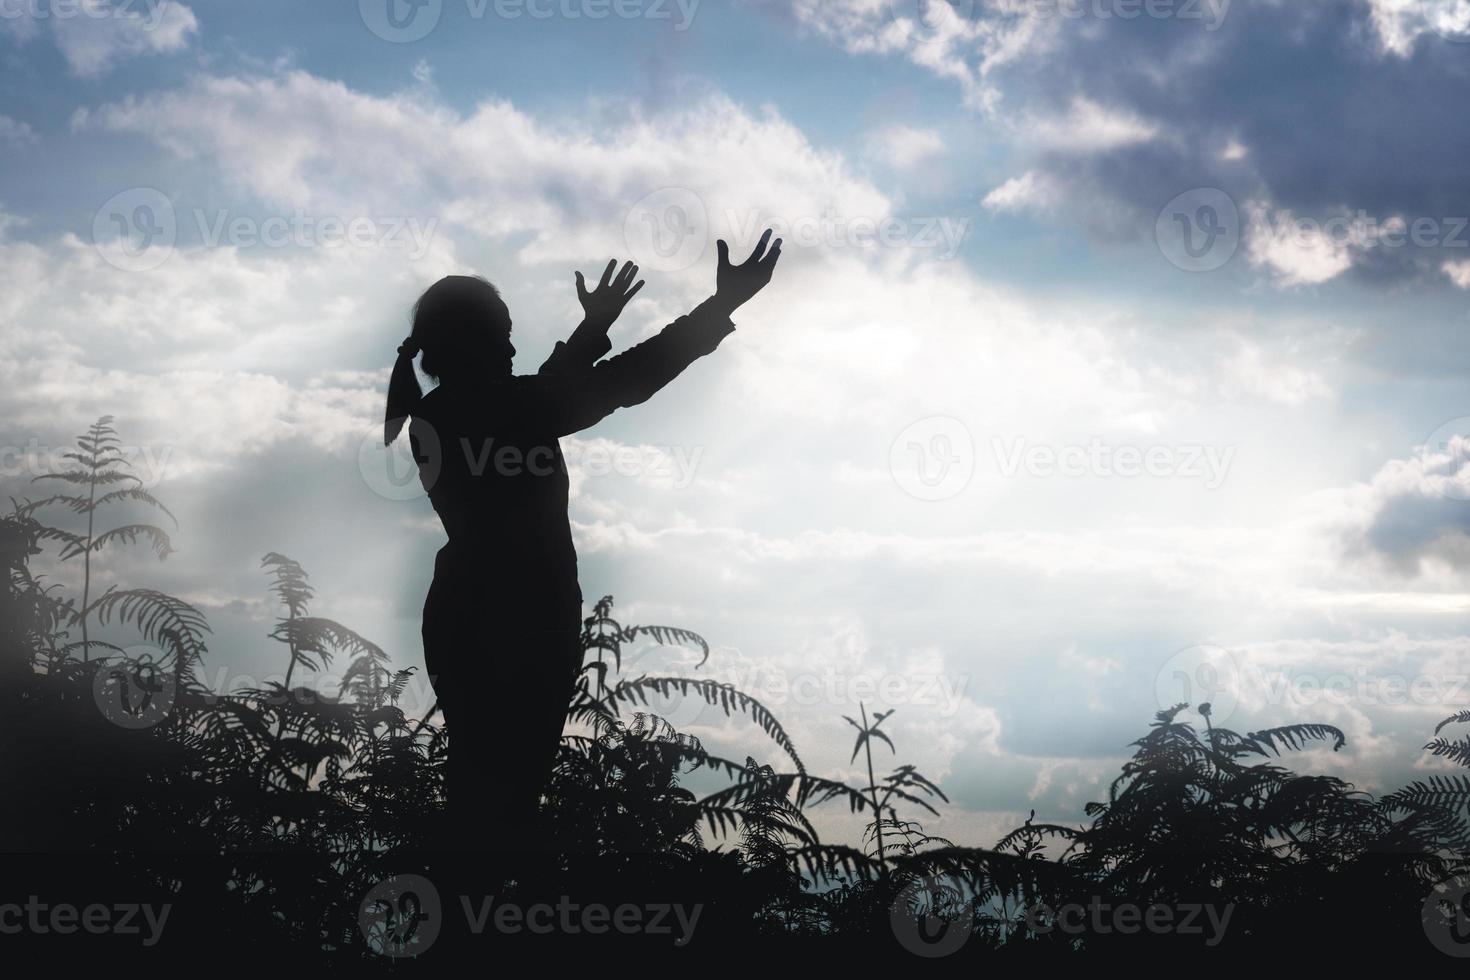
(607, 274)
(760, 247)
(581, 287)
(627, 275)
(633, 292)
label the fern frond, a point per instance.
(311, 635)
(1459, 717)
(138, 495)
(1448, 792)
(171, 623)
(1293, 737)
(724, 696)
(130, 533)
(291, 583)
(668, 636)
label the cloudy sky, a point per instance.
(1118, 346)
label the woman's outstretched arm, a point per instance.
(559, 404)
(601, 308)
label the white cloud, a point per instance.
(1458, 273)
(1032, 191)
(1088, 127)
(1269, 377)
(1401, 23)
(15, 133)
(968, 42)
(1296, 253)
(1415, 511)
(93, 35)
(244, 356)
(903, 147)
(955, 42)
(1234, 150)
(498, 171)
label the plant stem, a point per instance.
(87, 555)
(873, 792)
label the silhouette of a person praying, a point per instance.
(503, 616)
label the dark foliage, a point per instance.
(265, 815)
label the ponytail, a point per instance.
(404, 393)
(446, 310)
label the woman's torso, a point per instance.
(502, 498)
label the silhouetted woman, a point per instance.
(503, 617)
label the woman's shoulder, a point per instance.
(445, 403)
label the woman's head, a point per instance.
(462, 326)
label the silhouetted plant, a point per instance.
(896, 784)
(276, 807)
(99, 464)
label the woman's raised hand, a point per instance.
(735, 284)
(606, 302)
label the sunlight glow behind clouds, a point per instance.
(787, 540)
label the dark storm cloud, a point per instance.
(1331, 119)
